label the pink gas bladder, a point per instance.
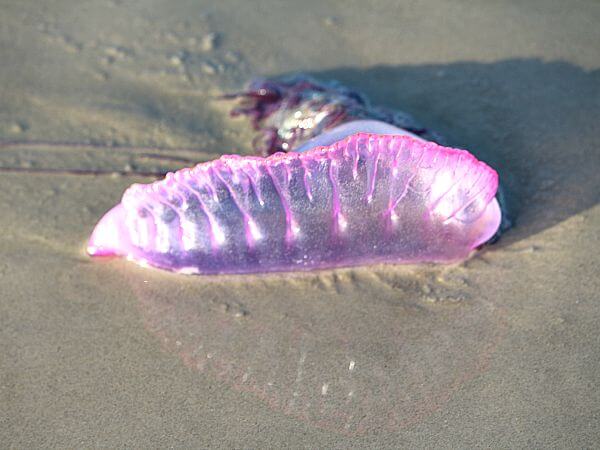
(365, 198)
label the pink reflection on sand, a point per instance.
(328, 355)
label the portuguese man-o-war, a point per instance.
(358, 185)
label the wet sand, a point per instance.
(499, 351)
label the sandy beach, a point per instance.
(501, 350)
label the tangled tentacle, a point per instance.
(289, 111)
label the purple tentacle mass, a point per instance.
(287, 112)
(367, 198)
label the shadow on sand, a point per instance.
(536, 122)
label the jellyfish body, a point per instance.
(342, 200)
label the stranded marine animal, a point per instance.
(365, 198)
